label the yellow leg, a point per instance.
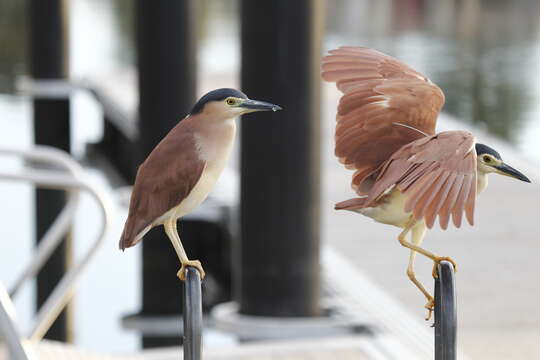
(418, 232)
(436, 259)
(172, 233)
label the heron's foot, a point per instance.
(193, 263)
(430, 306)
(437, 261)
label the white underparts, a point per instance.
(390, 209)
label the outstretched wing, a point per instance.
(385, 105)
(438, 176)
(165, 178)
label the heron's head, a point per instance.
(490, 161)
(222, 104)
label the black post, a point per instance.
(48, 61)
(193, 319)
(167, 73)
(279, 250)
(445, 313)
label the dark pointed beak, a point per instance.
(255, 105)
(510, 171)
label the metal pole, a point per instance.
(48, 60)
(279, 249)
(167, 73)
(445, 313)
(193, 321)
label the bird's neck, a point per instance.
(216, 138)
(481, 181)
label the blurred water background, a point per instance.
(485, 55)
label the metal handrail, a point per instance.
(60, 226)
(73, 182)
(48, 243)
(9, 330)
(445, 313)
(60, 88)
(193, 321)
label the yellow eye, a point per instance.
(487, 159)
(231, 101)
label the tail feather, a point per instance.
(351, 204)
(133, 233)
(125, 240)
(122, 244)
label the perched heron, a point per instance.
(406, 175)
(183, 168)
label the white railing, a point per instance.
(70, 177)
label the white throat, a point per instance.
(215, 142)
(481, 181)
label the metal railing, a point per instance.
(9, 331)
(445, 313)
(72, 180)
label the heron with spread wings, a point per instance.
(406, 174)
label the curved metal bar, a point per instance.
(193, 322)
(16, 349)
(64, 290)
(445, 313)
(48, 243)
(54, 234)
(47, 154)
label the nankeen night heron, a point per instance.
(406, 174)
(183, 168)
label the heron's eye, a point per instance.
(231, 101)
(487, 159)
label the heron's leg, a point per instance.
(417, 236)
(172, 233)
(436, 259)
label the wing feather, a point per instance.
(457, 210)
(437, 204)
(416, 172)
(430, 197)
(416, 193)
(438, 176)
(378, 91)
(163, 180)
(449, 202)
